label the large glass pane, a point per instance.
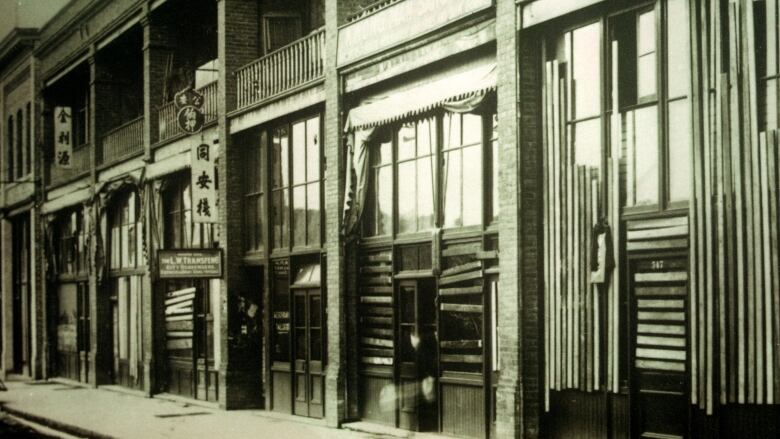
(316, 344)
(313, 213)
(406, 141)
(472, 185)
(472, 129)
(646, 155)
(280, 156)
(426, 137)
(678, 62)
(299, 216)
(299, 152)
(67, 318)
(315, 311)
(123, 303)
(646, 62)
(425, 193)
(384, 191)
(451, 130)
(452, 189)
(407, 198)
(585, 70)
(281, 218)
(679, 150)
(587, 143)
(407, 305)
(384, 153)
(313, 149)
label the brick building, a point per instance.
(484, 218)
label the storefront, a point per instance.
(283, 199)
(69, 292)
(18, 327)
(187, 307)
(422, 198)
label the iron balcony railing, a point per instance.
(168, 127)
(123, 141)
(293, 65)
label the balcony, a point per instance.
(80, 166)
(389, 23)
(294, 65)
(123, 141)
(168, 127)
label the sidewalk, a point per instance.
(89, 412)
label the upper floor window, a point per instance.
(126, 236)
(20, 159)
(71, 243)
(296, 184)
(650, 51)
(254, 189)
(9, 132)
(437, 169)
(179, 230)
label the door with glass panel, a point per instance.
(309, 376)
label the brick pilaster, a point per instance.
(240, 371)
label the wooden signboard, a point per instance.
(190, 263)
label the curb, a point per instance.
(55, 425)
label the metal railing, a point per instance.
(290, 66)
(122, 141)
(167, 125)
(370, 9)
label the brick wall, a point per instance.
(240, 380)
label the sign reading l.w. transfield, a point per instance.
(190, 263)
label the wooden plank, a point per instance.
(460, 278)
(377, 280)
(376, 290)
(661, 303)
(665, 329)
(661, 354)
(659, 244)
(174, 310)
(765, 300)
(546, 185)
(718, 83)
(377, 310)
(178, 334)
(487, 254)
(660, 315)
(175, 318)
(178, 344)
(461, 344)
(377, 320)
(675, 221)
(459, 291)
(663, 232)
(774, 143)
(379, 257)
(462, 268)
(556, 163)
(376, 269)
(377, 299)
(379, 332)
(675, 290)
(660, 365)
(179, 299)
(665, 276)
(370, 352)
(377, 360)
(456, 307)
(462, 250)
(373, 341)
(649, 340)
(180, 292)
(454, 358)
(181, 325)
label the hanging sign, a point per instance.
(63, 138)
(190, 263)
(189, 103)
(202, 186)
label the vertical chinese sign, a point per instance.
(63, 138)
(204, 192)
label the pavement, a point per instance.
(107, 413)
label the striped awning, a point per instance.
(398, 105)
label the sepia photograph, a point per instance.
(361, 219)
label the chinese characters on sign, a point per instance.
(63, 138)
(189, 117)
(204, 191)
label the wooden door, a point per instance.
(308, 374)
(659, 347)
(82, 331)
(418, 359)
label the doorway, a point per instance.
(659, 312)
(309, 382)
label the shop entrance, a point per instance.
(659, 315)
(309, 377)
(73, 331)
(189, 327)
(21, 311)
